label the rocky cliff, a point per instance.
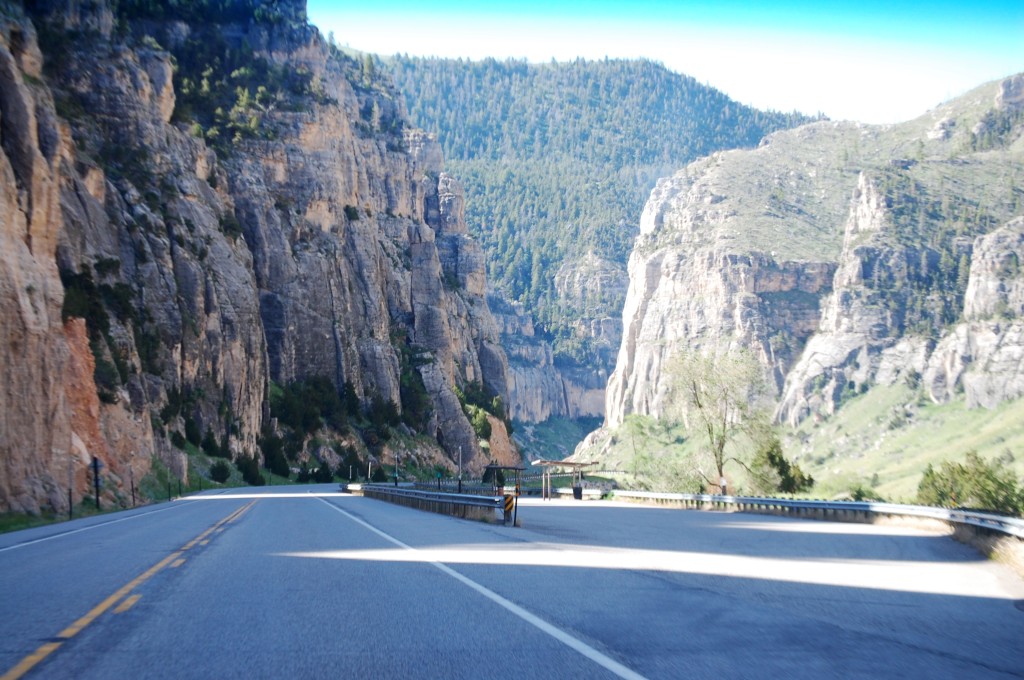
(300, 230)
(843, 256)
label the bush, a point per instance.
(383, 412)
(220, 471)
(324, 474)
(975, 483)
(192, 431)
(250, 470)
(273, 454)
(305, 405)
(349, 461)
(771, 472)
(210, 446)
(478, 419)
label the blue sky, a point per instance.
(872, 61)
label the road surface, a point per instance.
(307, 582)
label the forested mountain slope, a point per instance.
(557, 160)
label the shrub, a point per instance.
(273, 454)
(974, 483)
(250, 470)
(220, 471)
(349, 461)
(209, 445)
(324, 474)
(770, 471)
(478, 419)
(192, 431)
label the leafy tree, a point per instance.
(974, 483)
(719, 394)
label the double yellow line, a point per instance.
(33, 659)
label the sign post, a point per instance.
(96, 464)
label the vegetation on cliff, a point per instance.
(558, 159)
(873, 270)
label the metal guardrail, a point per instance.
(1008, 525)
(494, 502)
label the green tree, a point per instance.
(323, 474)
(250, 469)
(220, 472)
(770, 471)
(719, 395)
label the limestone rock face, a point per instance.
(539, 386)
(843, 256)
(984, 356)
(327, 243)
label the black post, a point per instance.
(71, 508)
(169, 496)
(96, 479)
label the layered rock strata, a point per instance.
(323, 240)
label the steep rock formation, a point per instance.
(52, 421)
(984, 356)
(766, 249)
(321, 240)
(539, 384)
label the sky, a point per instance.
(870, 61)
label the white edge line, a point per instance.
(534, 620)
(91, 526)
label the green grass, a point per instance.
(895, 433)
(16, 521)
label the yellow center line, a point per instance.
(30, 661)
(81, 623)
(178, 563)
(128, 603)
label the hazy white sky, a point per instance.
(872, 61)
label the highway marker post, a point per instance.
(96, 465)
(498, 485)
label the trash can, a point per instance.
(577, 492)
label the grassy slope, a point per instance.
(895, 433)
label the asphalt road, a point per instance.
(323, 585)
